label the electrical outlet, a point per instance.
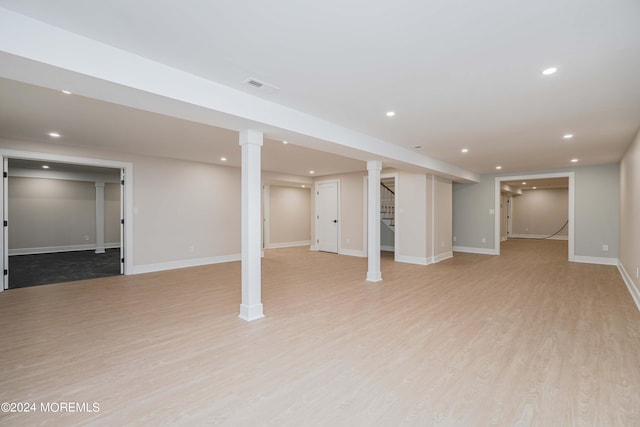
(637, 272)
(348, 240)
(484, 240)
(86, 237)
(454, 238)
(442, 244)
(605, 248)
(192, 249)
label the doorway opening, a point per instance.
(64, 218)
(388, 215)
(535, 207)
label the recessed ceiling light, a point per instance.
(417, 147)
(391, 113)
(535, 188)
(549, 71)
(224, 159)
(284, 142)
(524, 183)
(54, 135)
(66, 92)
(464, 150)
(312, 172)
(498, 167)
(303, 186)
(45, 167)
(574, 160)
(567, 136)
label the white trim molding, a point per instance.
(414, 259)
(634, 290)
(352, 252)
(288, 244)
(535, 236)
(470, 250)
(595, 260)
(186, 263)
(442, 257)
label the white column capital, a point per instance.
(99, 184)
(251, 136)
(374, 165)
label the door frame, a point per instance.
(126, 207)
(316, 207)
(396, 227)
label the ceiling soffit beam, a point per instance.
(34, 40)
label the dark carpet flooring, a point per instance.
(42, 269)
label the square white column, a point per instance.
(251, 306)
(373, 220)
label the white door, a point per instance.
(327, 216)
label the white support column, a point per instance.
(373, 221)
(99, 217)
(251, 143)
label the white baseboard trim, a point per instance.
(538, 236)
(352, 252)
(288, 244)
(469, 250)
(595, 260)
(413, 259)
(504, 238)
(172, 265)
(55, 249)
(634, 290)
(442, 257)
(387, 248)
(313, 248)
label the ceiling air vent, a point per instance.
(255, 83)
(261, 85)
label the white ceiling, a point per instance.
(458, 74)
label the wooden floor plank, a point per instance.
(522, 339)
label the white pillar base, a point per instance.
(100, 251)
(374, 277)
(250, 313)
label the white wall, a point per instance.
(47, 213)
(540, 213)
(414, 236)
(289, 216)
(185, 210)
(629, 232)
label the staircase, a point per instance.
(387, 206)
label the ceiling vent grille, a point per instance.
(261, 85)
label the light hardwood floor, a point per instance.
(523, 339)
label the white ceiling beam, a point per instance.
(52, 53)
